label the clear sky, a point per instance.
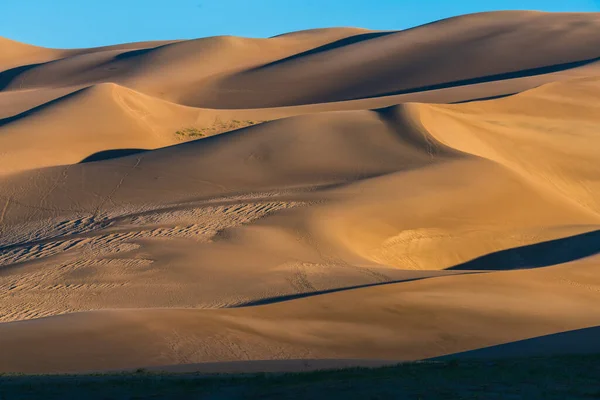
(86, 23)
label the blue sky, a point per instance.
(85, 23)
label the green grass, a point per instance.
(190, 132)
(576, 377)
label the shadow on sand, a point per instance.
(6, 77)
(109, 154)
(295, 296)
(580, 341)
(329, 46)
(570, 343)
(525, 73)
(37, 109)
(544, 254)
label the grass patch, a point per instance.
(217, 127)
(190, 132)
(570, 377)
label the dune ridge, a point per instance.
(325, 194)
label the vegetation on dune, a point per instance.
(217, 127)
(190, 132)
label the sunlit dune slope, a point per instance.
(405, 321)
(99, 118)
(548, 135)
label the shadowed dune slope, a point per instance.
(14, 54)
(159, 68)
(445, 53)
(579, 341)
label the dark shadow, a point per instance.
(279, 299)
(134, 53)
(499, 96)
(524, 73)
(36, 109)
(537, 255)
(393, 118)
(580, 341)
(109, 154)
(6, 77)
(329, 46)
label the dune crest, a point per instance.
(14, 54)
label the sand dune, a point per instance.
(155, 67)
(439, 55)
(15, 54)
(80, 119)
(325, 194)
(101, 118)
(558, 155)
(404, 321)
(228, 72)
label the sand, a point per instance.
(343, 196)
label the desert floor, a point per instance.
(544, 378)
